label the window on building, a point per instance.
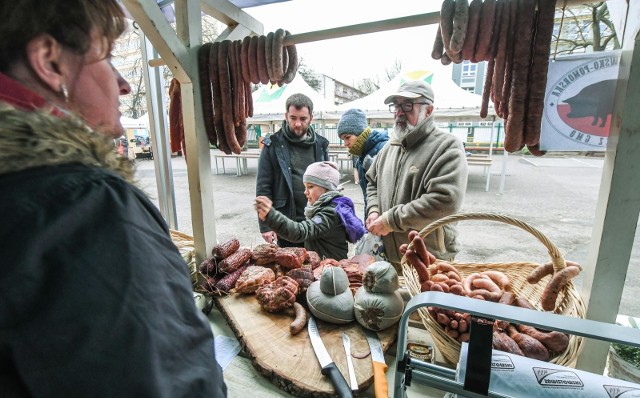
(469, 69)
(468, 76)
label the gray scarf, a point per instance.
(307, 139)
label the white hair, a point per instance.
(401, 132)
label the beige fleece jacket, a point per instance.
(416, 181)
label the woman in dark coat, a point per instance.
(363, 143)
(96, 299)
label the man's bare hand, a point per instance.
(377, 227)
(270, 237)
(372, 216)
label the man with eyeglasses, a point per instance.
(419, 177)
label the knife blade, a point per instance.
(329, 367)
(381, 387)
(346, 341)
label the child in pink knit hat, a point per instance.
(331, 220)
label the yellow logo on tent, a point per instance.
(424, 75)
(270, 92)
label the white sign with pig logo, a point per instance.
(579, 102)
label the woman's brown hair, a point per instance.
(70, 22)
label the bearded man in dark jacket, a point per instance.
(283, 160)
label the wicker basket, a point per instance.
(569, 301)
(185, 245)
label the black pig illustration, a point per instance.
(594, 100)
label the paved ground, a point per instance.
(556, 195)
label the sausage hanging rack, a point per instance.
(360, 29)
(352, 30)
(478, 372)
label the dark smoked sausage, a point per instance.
(268, 50)
(514, 126)
(493, 47)
(244, 59)
(488, 83)
(501, 56)
(508, 66)
(539, 68)
(472, 29)
(241, 128)
(446, 25)
(460, 22)
(176, 128)
(253, 60)
(277, 56)
(487, 15)
(217, 98)
(205, 92)
(249, 98)
(226, 96)
(438, 46)
(233, 76)
(292, 64)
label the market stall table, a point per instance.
(243, 379)
(241, 160)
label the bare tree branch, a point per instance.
(587, 26)
(128, 61)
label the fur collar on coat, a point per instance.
(30, 139)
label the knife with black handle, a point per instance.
(329, 367)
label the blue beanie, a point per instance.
(353, 121)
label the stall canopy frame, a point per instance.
(618, 204)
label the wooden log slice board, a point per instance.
(289, 361)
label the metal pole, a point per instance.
(353, 30)
(505, 156)
(493, 129)
(154, 82)
(364, 28)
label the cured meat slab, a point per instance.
(289, 361)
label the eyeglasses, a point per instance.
(406, 107)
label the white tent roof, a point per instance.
(140, 123)
(450, 99)
(269, 100)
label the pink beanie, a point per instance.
(323, 174)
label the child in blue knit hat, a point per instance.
(363, 143)
(331, 220)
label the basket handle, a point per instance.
(556, 257)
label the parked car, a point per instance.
(137, 147)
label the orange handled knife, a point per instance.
(379, 366)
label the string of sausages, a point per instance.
(226, 70)
(514, 36)
(176, 129)
(495, 286)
